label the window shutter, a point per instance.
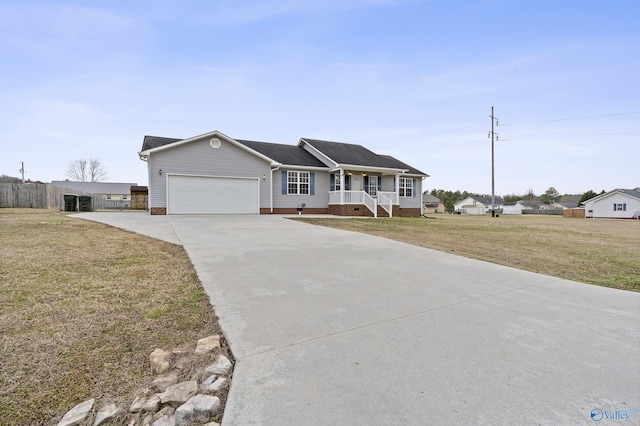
(366, 184)
(614, 207)
(284, 182)
(332, 182)
(624, 207)
(395, 188)
(379, 183)
(414, 187)
(312, 183)
(347, 182)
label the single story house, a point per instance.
(519, 206)
(109, 190)
(564, 206)
(616, 204)
(431, 204)
(477, 205)
(215, 174)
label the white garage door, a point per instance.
(211, 195)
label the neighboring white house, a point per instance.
(616, 204)
(477, 205)
(519, 206)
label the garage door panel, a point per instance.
(212, 195)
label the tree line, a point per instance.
(550, 196)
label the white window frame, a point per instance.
(298, 183)
(337, 182)
(405, 187)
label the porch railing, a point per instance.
(371, 203)
(386, 202)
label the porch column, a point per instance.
(398, 187)
(341, 187)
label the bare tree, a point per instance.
(86, 171)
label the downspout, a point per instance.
(271, 190)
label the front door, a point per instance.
(356, 182)
(373, 186)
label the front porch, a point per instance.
(360, 203)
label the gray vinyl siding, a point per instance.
(198, 158)
(412, 202)
(320, 199)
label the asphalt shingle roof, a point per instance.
(150, 142)
(342, 153)
(345, 153)
(285, 154)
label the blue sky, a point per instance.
(410, 78)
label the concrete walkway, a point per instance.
(334, 327)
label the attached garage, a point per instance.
(212, 195)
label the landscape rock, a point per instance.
(198, 409)
(160, 360)
(178, 394)
(161, 383)
(167, 420)
(222, 366)
(77, 414)
(147, 420)
(208, 344)
(216, 386)
(106, 413)
(136, 405)
(165, 411)
(208, 382)
(151, 404)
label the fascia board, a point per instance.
(296, 167)
(370, 169)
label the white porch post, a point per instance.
(398, 187)
(341, 187)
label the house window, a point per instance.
(337, 182)
(620, 207)
(406, 187)
(298, 183)
(124, 197)
(108, 196)
(373, 186)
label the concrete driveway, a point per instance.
(335, 327)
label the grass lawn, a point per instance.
(595, 251)
(82, 307)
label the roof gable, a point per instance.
(633, 193)
(356, 155)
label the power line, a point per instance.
(573, 118)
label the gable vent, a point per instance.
(215, 143)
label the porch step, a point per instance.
(382, 212)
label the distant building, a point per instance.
(616, 204)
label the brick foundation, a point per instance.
(408, 212)
(294, 210)
(158, 210)
(350, 210)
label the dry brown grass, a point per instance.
(83, 304)
(595, 251)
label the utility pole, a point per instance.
(22, 171)
(494, 136)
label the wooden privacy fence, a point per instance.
(33, 195)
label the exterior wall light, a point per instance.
(160, 172)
